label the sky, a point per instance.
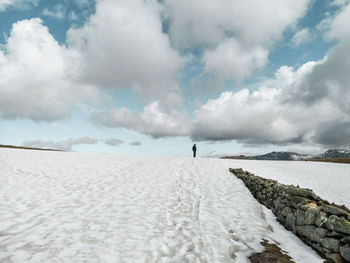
(132, 77)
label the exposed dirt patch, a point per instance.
(271, 254)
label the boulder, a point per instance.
(290, 222)
(300, 217)
(278, 204)
(345, 252)
(298, 201)
(312, 232)
(338, 224)
(287, 210)
(307, 217)
(335, 234)
(335, 257)
(334, 210)
(331, 243)
(311, 205)
(307, 193)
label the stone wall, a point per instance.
(323, 226)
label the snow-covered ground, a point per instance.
(71, 207)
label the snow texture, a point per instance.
(71, 207)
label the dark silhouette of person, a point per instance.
(194, 149)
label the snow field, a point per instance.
(70, 207)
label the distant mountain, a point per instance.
(293, 156)
(333, 153)
(281, 156)
(239, 157)
(26, 148)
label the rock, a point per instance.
(287, 210)
(338, 224)
(300, 217)
(312, 232)
(331, 243)
(321, 218)
(322, 249)
(290, 222)
(278, 203)
(298, 201)
(311, 205)
(345, 252)
(334, 210)
(306, 218)
(281, 218)
(345, 239)
(310, 216)
(270, 194)
(269, 183)
(335, 257)
(307, 193)
(237, 170)
(335, 234)
(261, 196)
(260, 181)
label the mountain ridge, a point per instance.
(293, 156)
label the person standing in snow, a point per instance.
(194, 149)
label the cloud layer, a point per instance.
(17, 4)
(113, 142)
(135, 143)
(144, 45)
(64, 145)
(67, 145)
(309, 105)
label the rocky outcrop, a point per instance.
(323, 226)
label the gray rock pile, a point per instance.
(323, 226)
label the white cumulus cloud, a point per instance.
(37, 73)
(122, 45)
(155, 120)
(246, 30)
(260, 117)
(232, 60)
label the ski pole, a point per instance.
(208, 154)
